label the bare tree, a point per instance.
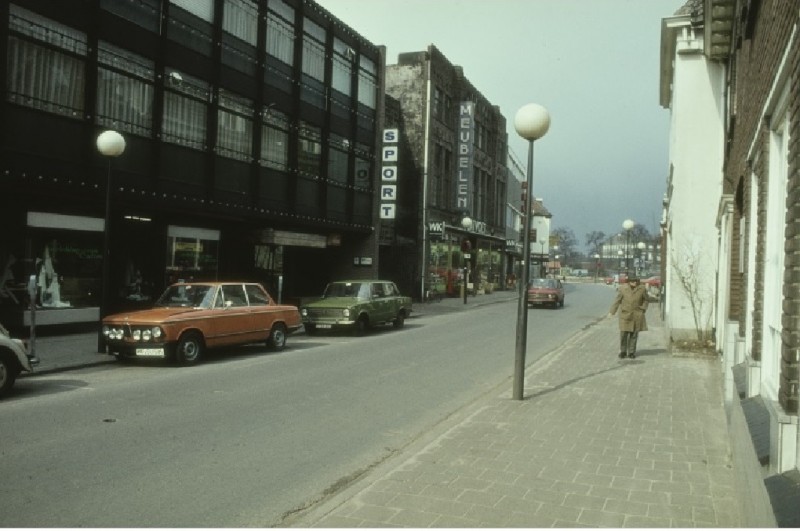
(689, 273)
(594, 241)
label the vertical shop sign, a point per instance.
(466, 134)
(388, 199)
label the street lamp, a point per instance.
(466, 222)
(110, 144)
(641, 246)
(596, 266)
(531, 122)
(627, 225)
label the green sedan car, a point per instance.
(356, 305)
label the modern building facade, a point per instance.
(750, 51)
(253, 132)
(454, 149)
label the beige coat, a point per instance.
(632, 305)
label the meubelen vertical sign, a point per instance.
(466, 134)
(389, 174)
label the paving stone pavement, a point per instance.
(596, 442)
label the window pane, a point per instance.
(44, 78)
(184, 121)
(199, 8)
(43, 29)
(280, 39)
(367, 88)
(313, 59)
(124, 103)
(310, 149)
(240, 19)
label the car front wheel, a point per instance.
(400, 320)
(277, 337)
(8, 375)
(361, 325)
(189, 349)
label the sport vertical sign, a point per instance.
(466, 135)
(389, 174)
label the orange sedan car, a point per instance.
(190, 317)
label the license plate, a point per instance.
(323, 326)
(153, 352)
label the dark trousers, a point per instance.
(627, 342)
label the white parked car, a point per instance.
(13, 360)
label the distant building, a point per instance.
(451, 166)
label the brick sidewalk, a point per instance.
(596, 442)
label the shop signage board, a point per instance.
(466, 134)
(388, 197)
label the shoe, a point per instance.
(621, 355)
(631, 355)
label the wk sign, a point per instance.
(388, 198)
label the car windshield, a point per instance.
(548, 283)
(187, 296)
(347, 289)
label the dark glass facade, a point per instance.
(252, 133)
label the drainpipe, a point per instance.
(425, 163)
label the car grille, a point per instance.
(324, 312)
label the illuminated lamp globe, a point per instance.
(532, 121)
(110, 144)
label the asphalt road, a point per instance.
(250, 437)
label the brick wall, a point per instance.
(757, 57)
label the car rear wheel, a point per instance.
(8, 374)
(189, 348)
(277, 337)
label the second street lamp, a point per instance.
(110, 144)
(627, 225)
(531, 122)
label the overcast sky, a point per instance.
(594, 64)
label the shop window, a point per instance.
(124, 90)
(46, 67)
(192, 254)
(67, 259)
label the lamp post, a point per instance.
(531, 123)
(627, 225)
(466, 222)
(110, 144)
(596, 266)
(621, 255)
(542, 260)
(641, 246)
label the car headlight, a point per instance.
(137, 335)
(147, 335)
(346, 312)
(157, 332)
(304, 312)
(106, 330)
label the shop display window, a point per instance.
(67, 266)
(192, 254)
